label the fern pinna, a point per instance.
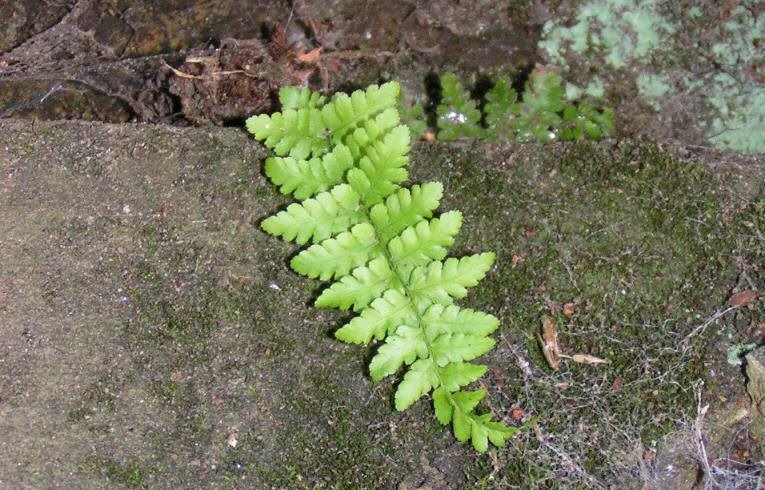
(379, 242)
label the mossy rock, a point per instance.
(155, 337)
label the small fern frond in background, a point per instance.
(542, 114)
(458, 114)
(345, 160)
(584, 121)
(539, 118)
(501, 107)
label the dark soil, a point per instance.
(232, 55)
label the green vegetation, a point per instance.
(412, 114)
(542, 114)
(634, 240)
(458, 114)
(375, 239)
(127, 474)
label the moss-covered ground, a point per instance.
(154, 337)
(629, 250)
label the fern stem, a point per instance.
(410, 297)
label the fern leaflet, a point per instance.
(304, 178)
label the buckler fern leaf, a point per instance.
(345, 160)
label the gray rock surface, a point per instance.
(152, 336)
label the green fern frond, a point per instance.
(427, 240)
(541, 115)
(425, 375)
(459, 347)
(402, 347)
(539, 118)
(442, 281)
(383, 248)
(359, 288)
(418, 381)
(452, 319)
(383, 316)
(501, 107)
(544, 92)
(371, 131)
(583, 121)
(455, 375)
(413, 115)
(458, 409)
(381, 169)
(458, 114)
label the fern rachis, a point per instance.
(383, 248)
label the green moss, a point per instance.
(634, 239)
(630, 235)
(355, 437)
(98, 397)
(216, 334)
(128, 474)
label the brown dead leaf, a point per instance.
(588, 359)
(568, 310)
(742, 298)
(233, 439)
(617, 384)
(310, 57)
(548, 341)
